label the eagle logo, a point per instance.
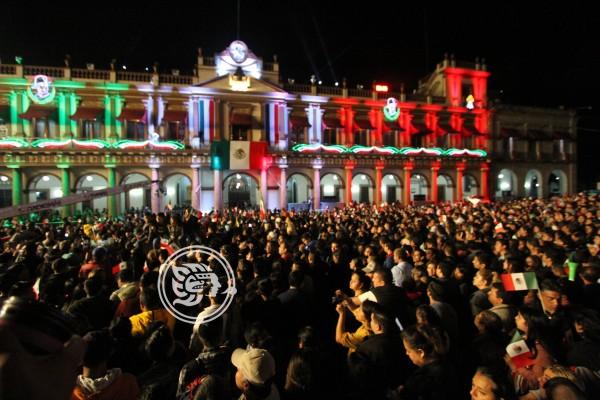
(191, 281)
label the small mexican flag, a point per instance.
(519, 352)
(519, 281)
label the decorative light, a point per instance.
(500, 176)
(13, 143)
(537, 185)
(237, 185)
(45, 178)
(470, 102)
(388, 150)
(382, 88)
(3, 178)
(133, 144)
(335, 178)
(238, 176)
(89, 178)
(504, 186)
(364, 178)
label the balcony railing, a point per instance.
(177, 79)
(134, 76)
(55, 72)
(8, 69)
(80, 73)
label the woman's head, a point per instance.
(359, 281)
(530, 322)
(488, 322)
(483, 278)
(489, 384)
(423, 344)
(426, 315)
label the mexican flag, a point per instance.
(519, 281)
(237, 154)
(519, 352)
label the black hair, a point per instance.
(553, 384)
(120, 328)
(426, 338)
(93, 286)
(308, 337)
(295, 278)
(159, 345)
(363, 279)
(385, 275)
(507, 297)
(257, 336)
(503, 387)
(149, 298)
(126, 275)
(384, 319)
(99, 348)
(548, 285)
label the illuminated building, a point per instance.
(233, 134)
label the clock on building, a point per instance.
(238, 51)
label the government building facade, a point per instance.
(235, 134)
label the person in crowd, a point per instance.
(352, 340)
(96, 380)
(152, 311)
(255, 374)
(434, 377)
(501, 302)
(491, 384)
(478, 300)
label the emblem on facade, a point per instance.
(182, 285)
(391, 110)
(239, 154)
(41, 90)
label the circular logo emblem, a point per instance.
(182, 284)
(240, 154)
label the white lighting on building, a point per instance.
(57, 193)
(3, 178)
(45, 178)
(505, 186)
(139, 192)
(89, 178)
(500, 176)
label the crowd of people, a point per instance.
(364, 302)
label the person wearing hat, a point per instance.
(255, 373)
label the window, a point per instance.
(361, 137)
(175, 131)
(330, 136)
(297, 135)
(135, 130)
(416, 140)
(240, 132)
(91, 129)
(389, 138)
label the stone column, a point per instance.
(112, 182)
(379, 165)
(317, 165)
(155, 194)
(349, 166)
(435, 168)
(218, 190)
(282, 162)
(460, 169)
(65, 211)
(484, 190)
(264, 185)
(196, 184)
(17, 185)
(408, 167)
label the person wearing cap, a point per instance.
(255, 373)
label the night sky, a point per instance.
(539, 54)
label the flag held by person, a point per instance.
(519, 281)
(519, 352)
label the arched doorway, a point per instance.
(298, 190)
(240, 190)
(138, 198)
(362, 189)
(178, 189)
(44, 187)
(88, 183)
(331, 185)
(470, 187)
(418, 187)
(506, 184)
(5, 191)
(533, 184)
(445, 188)
(557, 183)
(391, 188)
